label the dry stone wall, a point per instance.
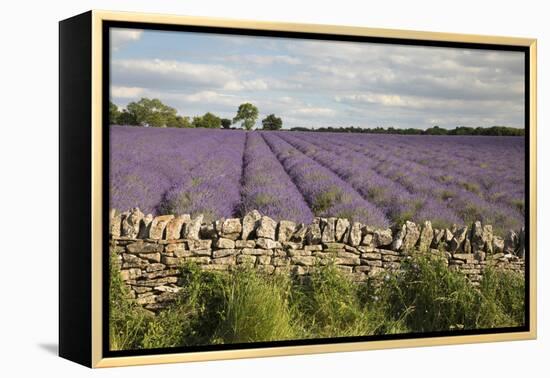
(151, 250)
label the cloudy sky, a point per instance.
(317, 83)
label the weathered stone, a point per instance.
(498, 244)
(299, 236)
(250, 221)
(263, 260)
(426, 237)
(174, 227)
(281, 261)
(328, 227)
(231, 229)
(224, 252)
(347, 254)
(156, 282)
(132, 261)
(115, 226)
(390, 258)
(145, 226)
(448, 236)
(141, 289)
(476, 237)
(510, 242)
(265, 243)
(351, 249)
(198, 259)
(377, 263)
(172, 261)
(168, 289)
(158, 225)
(192, 228)
(227, 260)
(397, 242)
(382, 238)
(371, 256)
(458, 239)
(245, 244)
(303, 260)
(368, 240)
(154, 267)
(143, 247)
(246, 259)
(355, 234)
(161, 273)
(439, 235)
(130, 274)
(194, 245)
(312, 248)
(285, 230)
(130, 223)
(334, 245)
(350, 260)
(266, 228)
(153, 257)
(487, 238)
(175, 247)
(256, 251)
(313, 234)
(224, 243)
(342, 225)
(411, 236)
(146, 300)
(299, 252)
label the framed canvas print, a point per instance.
(235, 189)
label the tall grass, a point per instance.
(246, 305)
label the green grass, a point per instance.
(246, 305)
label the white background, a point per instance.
(29, 186)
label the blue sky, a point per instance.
(318, 83)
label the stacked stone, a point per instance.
(151, 250)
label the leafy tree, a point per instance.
(272, 123)
(208, 120)
(178, 121)
(247, 114)
(126, 118)
(114, 113)
(151, 112)
(226, 123)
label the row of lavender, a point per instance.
(151, 250)
(377, 180)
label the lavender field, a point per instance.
(380, 180)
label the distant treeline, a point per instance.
(436, 130)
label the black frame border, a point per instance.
(105, 48)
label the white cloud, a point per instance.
(314, 111)
(262, 59)
(165, 73)
(121, 37)
(127, 92)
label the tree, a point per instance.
(226, 123)
(151, 112)
(126, 118)
(272, 123)
(178, 121)
(248, 114)
(114, 113)
(208, 120)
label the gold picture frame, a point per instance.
(91, 25)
